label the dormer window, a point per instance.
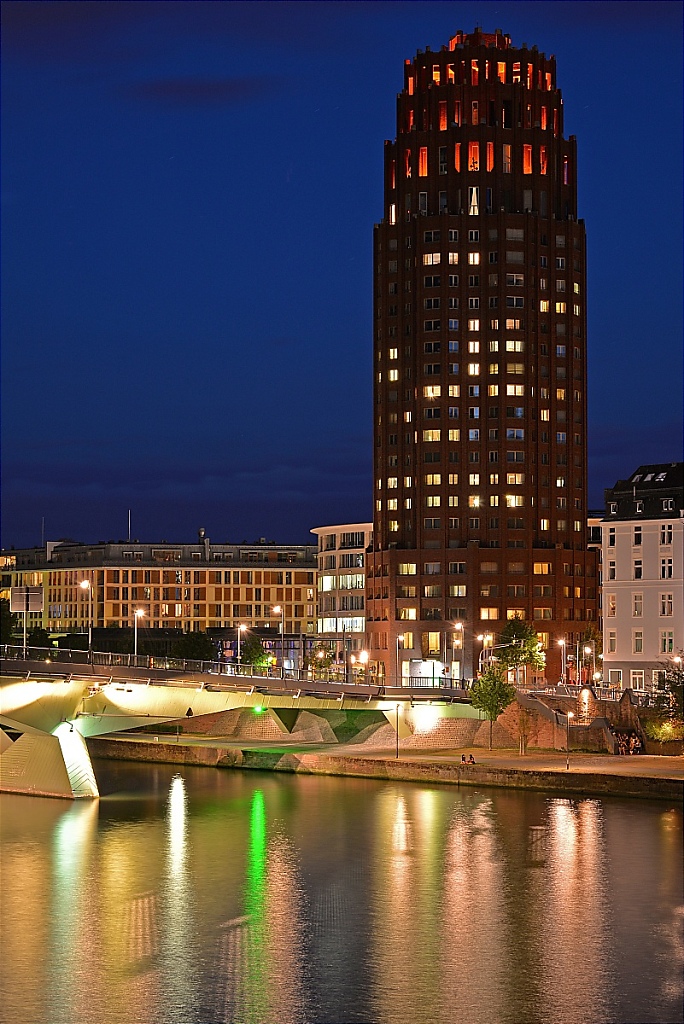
(613, 508)
(668, 504)
(638, 506)
(660, 477)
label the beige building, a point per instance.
(342, 583)
(193, 587)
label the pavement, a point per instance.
(638, 765)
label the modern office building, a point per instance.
(192, 587)
(342, 584)
(643, 575)
(480, 463)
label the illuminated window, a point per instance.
(493, 368)
(507, 161)
(544, 415)
(422, 162)
(393, 375)
(514, 501)
(407, 613)
(493, 390)
(473, 501)
(474, 259)
(489, 613)
(435, 73)
(474, 202)
(407, 163)
(454, 435)
(457, 156)
(473, 369)
(611, 605)
(393, 213)
(527, 159)
(490, 156)
(473, 156)
(432, 391)
(433, 479)
(517, 390)
(408, 481)
(543, 118)
(433, 501)
(543, 163)
(544, 525)
(432, 435)
(561, 307)
(393, 526)
(515, 368)
(431, 259)
(392, 481)
(543, 305)
(501, 71)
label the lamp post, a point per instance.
(568, 716)
(485, 640)
(88, 585)
(590, 648)
(279, 610)
(397, 712)
(138, 614)
(363, 660)
(561, 644)
(400, 640)
(241, 628)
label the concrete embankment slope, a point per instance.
(620, 777)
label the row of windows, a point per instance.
(464, 72)
(476, 156)
(637, 535)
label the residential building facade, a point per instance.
(342, 584)
(643, 576)
(480, 489)
(192, 587)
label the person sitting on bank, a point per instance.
(471, 759)
(463, 759)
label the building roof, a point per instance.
(649, 492)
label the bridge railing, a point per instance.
(229, 675)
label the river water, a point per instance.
(206, 896)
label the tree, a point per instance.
(39, 638)
(674, 685)
(521, 646)
(194, 647)
(252, 652)
(8, 623)
(492, 693)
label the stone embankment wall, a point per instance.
(580, 783)
(531, 721)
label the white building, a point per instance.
(342, 584)
(643, 576)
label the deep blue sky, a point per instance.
(189, 191)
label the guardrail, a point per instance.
(230, 676)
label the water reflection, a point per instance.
(210, 897)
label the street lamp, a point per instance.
(561, 644)
(590, 648)
(87, 585)
(485, 640)
(279, 610)
(239, 629)
(138, 614)
(400, 640)
(568, 716)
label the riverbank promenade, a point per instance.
(646, 776)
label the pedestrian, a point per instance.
(471, 759)
(463, 759)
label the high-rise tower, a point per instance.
(480, 374)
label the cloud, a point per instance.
(200, 92)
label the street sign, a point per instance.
(27, 599)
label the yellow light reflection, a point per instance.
(177, 820)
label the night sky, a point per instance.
(188, 197)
